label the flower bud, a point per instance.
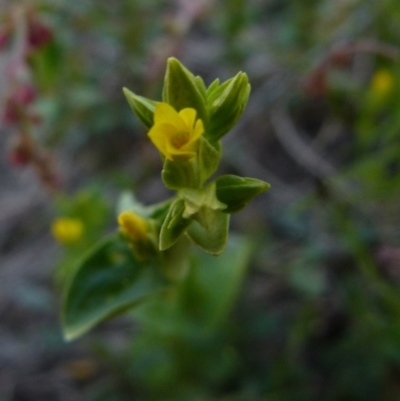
(140, 233)
(226, 104)
(133, 226)
(67, 230)
(382, 83)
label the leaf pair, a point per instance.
(203, 222)
(109, 281)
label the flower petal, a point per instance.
(198, 131)
(179, 154)
(189, 117)
(160, 135)
(164, 113)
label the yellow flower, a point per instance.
(175, 134)
(382, 82)
(67, 230)
(134, 226)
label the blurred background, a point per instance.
(317, 316)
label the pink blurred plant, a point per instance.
(22, 36)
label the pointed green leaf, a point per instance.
(226, 105)
(174, 225)
(107, 281)
(181, 90)
(181, 174)
(141, 106)
(214, 92)
(212, 234)
(201, 87)
(236, 192)
(194, 172)
(209, 157)
(214, 85)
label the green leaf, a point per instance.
(209, 157)
(201, 87)
(226, 105)
(141, 106)
(236, 192)
(46, 65)
(197, 199)
(210, 231)
(214, 85)
(215, 91)
(191, 173)
(194, 172)
(175, 260)
(174, 225)
(203, 299)
(180, 174)
(107, 281)
(219, 280)
(181, 90)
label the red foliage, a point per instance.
(4, 38)
(39, 34)
(19, 158)
(11, 113)
(24, 95)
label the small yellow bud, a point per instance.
(382, 83)
(67, 230)
(134, 226)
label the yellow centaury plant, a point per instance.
(151, 250)
(175, 134)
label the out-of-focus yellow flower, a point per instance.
(382, 83)
(67, 230)
(175, 134)
(132, 225)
